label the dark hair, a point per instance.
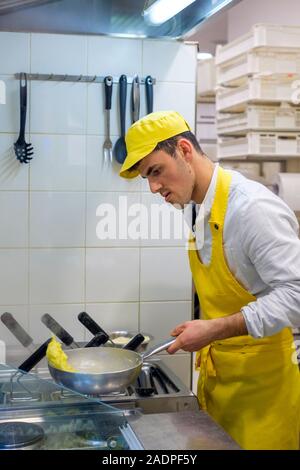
(169, 145)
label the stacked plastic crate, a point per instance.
(206, 131)
(258, 90)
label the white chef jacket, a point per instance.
(262, 249)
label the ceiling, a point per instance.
(114, 17)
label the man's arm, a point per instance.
(194, 335)
(270, 240)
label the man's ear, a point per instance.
(186, 149)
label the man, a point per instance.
(247, 276)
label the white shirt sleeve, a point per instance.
(269, 238)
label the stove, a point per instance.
(38, 414)
(157, 390)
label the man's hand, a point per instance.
(194, 335)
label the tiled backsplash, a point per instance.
(51, 259)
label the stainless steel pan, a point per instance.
(103, 370)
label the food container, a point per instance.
(122, 337)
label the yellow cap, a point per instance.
(144, 135)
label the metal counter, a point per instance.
(185, 430)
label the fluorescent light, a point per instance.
(162, 10)
(204, 55)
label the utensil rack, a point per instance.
(51, 77)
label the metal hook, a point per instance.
(80, 78)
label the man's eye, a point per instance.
(155, 172)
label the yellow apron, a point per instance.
(251, 387)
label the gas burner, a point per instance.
(17, 434)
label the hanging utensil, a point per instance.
(135, 98)
(23, 150)
(107, 146)
(149, 93)
(120, 150)
(59, 331)
(103, 370)
(17, 330)
(92, 326)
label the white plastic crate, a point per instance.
(260, 118)
(256, 90)
(260, 35)
(206, 111)
(206, 130)
(210, 149)
(264, 62)
(206, 78)
(260, 145)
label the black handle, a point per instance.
(123, 97)
(99, 338)
(135, 342)
(108, 82)
(23, 103)
(135, 98)
(90, 324)
(16, 329)
(149, 94)
(145, 387)
(57, 329)
(32, 360)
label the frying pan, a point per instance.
(104, 370)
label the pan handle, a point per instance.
(57, 329)
(16, 329)
(159, 347)
(135, 342)
(99, 338)
(91, 325)
(32, 360)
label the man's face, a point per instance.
(171, 176)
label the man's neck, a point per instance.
(204, 170)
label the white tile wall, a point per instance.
(14, 52)
(165, 274)
(59, 162)
(159, 318)
(174, 62)
(114, 316)
(57, 219)
(51, 258)
(14, 276)
(112, 274)
(56, 275)
(109, 211)
(113, 56)
(14, 219)
(185, 94)
(66, 54)
(58, 108)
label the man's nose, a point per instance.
(155, 186)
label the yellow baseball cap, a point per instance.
(144, 135)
